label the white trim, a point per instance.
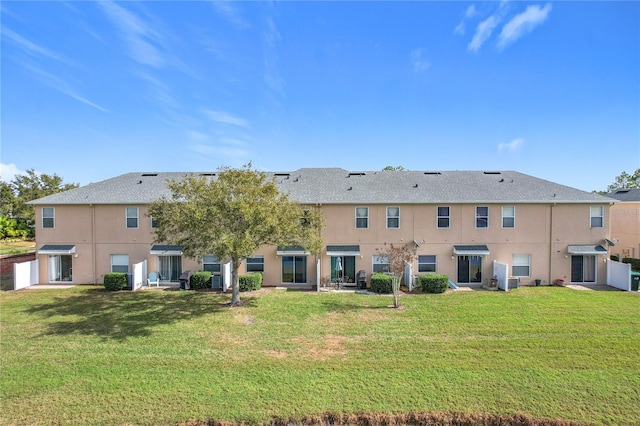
(392, 217)
(127, 217)
(481, 217)
(52, 217)
(511, 216)
(361, 217)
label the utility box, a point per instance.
(513, 283)
(635, 280)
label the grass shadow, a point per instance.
(120, 315)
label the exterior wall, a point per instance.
(625, 226)
(542, 231)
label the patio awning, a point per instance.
(479, 250)
(586, 249)
(166, 250)
(291, 251)
(57, 249)
(352, 250)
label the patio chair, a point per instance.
(153, 279)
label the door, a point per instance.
(469, 269)
(294, 269)
(170, 268)
(60, 268)
(583, 269)
(343, 267)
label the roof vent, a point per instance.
(350, 188)
(149, 174)
(492, 173)
(207, 174)
(432, 173)
(284, 175)
(622, 191)
(356, 174)
(415, 185)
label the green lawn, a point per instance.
(84, 356)
(16, 247)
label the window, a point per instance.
(132, 217)
(48, 217)
(482, 217)
(170, 268)
(211, 263)
(393, 217)
(427, 263)
(444, 218)
(154, 224)
(60, 268)
(583, 269)
(380, 263)
(362, 217)
(597, 216)
(520, 265)
(120, 263)
(294, 269)
(255, 264)
(508, 217)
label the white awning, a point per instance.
(57, 249)
(586, 249)
(351, 250)
(477, 250)
(291, 251)
(166, 250)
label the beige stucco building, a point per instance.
(625, 222)
(458, 222)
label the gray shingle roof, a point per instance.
(632, 194)
(339, 186)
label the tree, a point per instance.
(8, 198)
(398, 257)
(394, 168)
(232, 216)
(625, 181)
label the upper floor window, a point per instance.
(120, 263)
(48, 217)
(444, 218)
(427, 263)
(597, 216)
(255, 263)
(393, 217)
(132, 217)
(508, 217)
(482, 217)
(521, 265)
(362, 217)
(211, 263)
(380, 263)
(154, 223)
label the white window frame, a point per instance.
(153, 223)
(509, 216)
(379, 263)
(391, 217)
(520, 261)
(210, 259)
(366, 217)
(448, 217)
(598, 215)
(118, 261)
(257, 263)
(427, 260)
(480, 217)
(51, 217)
(127, 217)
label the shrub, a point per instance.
(201, 280)
(250, 282)
(115, 281)
(615, 257)
(635, 263)
(381, 283)
(433, 283)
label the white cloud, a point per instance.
(9, 171)
(419, 63)
(512, 146)
(460, 28)
(522, 24)
(272, 77)
(31, 47)
(223, 117)
(468, 14)
(483, 32)
(230, 13)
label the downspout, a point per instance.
(93, 243)
(551, 243)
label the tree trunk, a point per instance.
(395, 285)
(235, 283)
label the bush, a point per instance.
(115, 281)
(615, 257)
(381, 283)
(201, 280)
(635, 263)
(433, 283)
(250, 282)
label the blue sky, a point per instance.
(91, 90)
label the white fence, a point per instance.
(139, 275)
(501, 271)
(25, 274)
(619, 275)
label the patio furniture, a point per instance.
(153, 279)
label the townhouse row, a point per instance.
(459, 223)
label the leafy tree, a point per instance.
(393, 168)
(624, 181)
(232, 216)
(7, 198)
(397, 256)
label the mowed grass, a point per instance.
(85, 356)
(16, 247)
